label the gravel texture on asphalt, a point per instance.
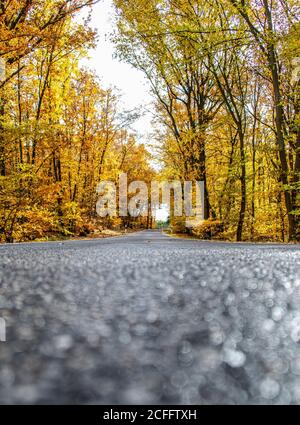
(149, 319)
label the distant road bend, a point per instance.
(150, 319)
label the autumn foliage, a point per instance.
(226, 81)
(60, 131)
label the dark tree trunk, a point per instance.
(2, 140)
(239, 233)
(279, 120)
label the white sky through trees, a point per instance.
(114, 73)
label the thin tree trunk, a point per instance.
(2, 140)
(20, 116)
(239, 233)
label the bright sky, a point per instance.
(162, 214)
(113, 73)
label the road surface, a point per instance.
(149, 319)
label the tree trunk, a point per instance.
(2, 140)
(279, 120)
(239, 233)
(202, 177)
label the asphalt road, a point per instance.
(150, 319)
